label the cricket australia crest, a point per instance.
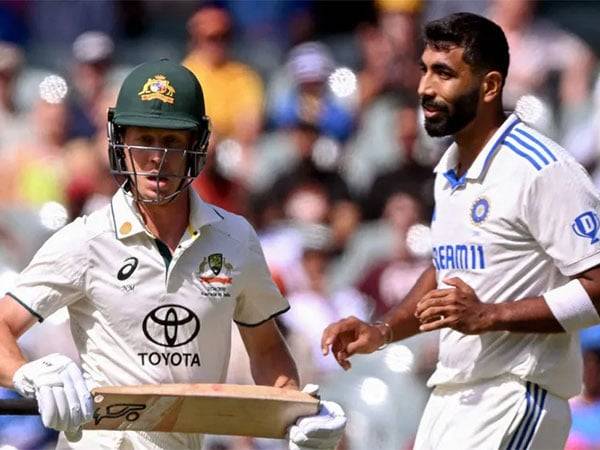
(215, 262)
(215, 274)
(158, 88)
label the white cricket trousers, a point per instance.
(504, 413)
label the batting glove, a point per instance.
(64, 401)
(322, 431)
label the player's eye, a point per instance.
(173, 142)
(145, 141)
(445, 74)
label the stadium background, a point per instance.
(317, 140)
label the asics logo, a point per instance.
(127, 270)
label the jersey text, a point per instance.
(459, 256)
(170, 359)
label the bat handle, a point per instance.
(19, 407)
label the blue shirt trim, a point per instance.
(500, 139)
(537, 141)
(523, 155)
(524, 145)
(455, 182)
(451, 175)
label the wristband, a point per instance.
(572, 306)
(391, 333)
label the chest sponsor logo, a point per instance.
(459, 256)
(170, 326)
(587, 225)
(214, 273)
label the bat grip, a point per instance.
(19, 407)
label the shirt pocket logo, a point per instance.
(215, 270)
(215, 274)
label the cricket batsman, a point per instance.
(152, 282)
(515, 271)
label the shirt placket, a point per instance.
(189, 237)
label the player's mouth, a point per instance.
(160, 181)
(429, 113)
(432, 109)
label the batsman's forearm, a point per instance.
(529, 315)
(11, 357)
(402, 318)
(275, 367)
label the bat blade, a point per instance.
(258, 411)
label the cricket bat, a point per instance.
(229, 409)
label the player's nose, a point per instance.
(157, 155)
(425, 87)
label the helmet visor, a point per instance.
(166, 171)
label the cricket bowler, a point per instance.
(515, 268)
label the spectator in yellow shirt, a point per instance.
(233, 91)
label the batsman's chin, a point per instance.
(154, 196)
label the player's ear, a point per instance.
(492, 86)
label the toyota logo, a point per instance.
(171, 325)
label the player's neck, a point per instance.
(471, 139)
(167, 222)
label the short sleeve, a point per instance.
(561, 210)
(260, 299)
(55, 276)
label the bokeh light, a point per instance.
(399, 358)
(533, 111)
(53, 89)
(53, 215)
(343, 82)
(229, 157)
(326, 153)
(418, 240)
(373, 391)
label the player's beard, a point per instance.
(451, 117)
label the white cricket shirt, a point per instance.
(137, 317)
(521, 221)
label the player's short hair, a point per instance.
(484, 43)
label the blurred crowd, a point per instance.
(316, 139)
